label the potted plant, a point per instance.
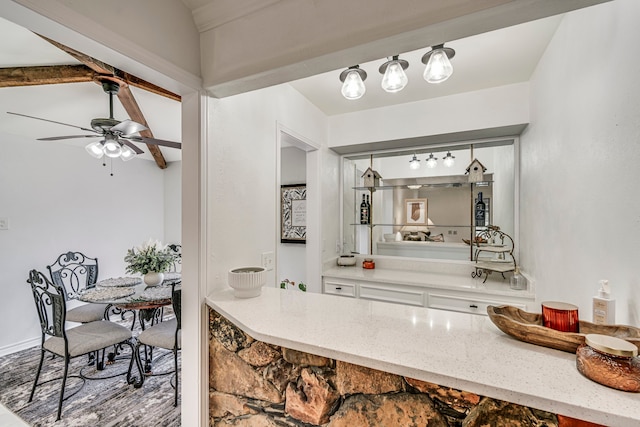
(151, 259)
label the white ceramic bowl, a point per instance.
(389, 237)
(247, 282)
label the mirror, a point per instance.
(428, 212)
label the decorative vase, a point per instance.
(153, 278)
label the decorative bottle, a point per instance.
(364, 212)
(517, 281)
(368, 211)
(480, 211)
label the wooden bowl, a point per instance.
(527, 327)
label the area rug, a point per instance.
(100, 402)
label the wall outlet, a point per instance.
(267, 260)
(4, 223)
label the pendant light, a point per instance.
(438, 67)
(432, 162)
(414, 163)
(394, 79)
(448, 159)
(353, 82)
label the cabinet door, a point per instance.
(335, 287)
(401, 296)
(465, 304)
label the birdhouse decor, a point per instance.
(371, 178)
(476, 171)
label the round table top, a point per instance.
(138, 296)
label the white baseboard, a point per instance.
(19, 346)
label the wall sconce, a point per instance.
(394, 79)
(353, 82)
(414, 163)
(448, 159)
(432, 162)
(438, 67)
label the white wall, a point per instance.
(292, 256)
(57, 199)
(172, 179)
(494, 107)
(242, 193)
(580, 210)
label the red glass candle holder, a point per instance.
(560, 316)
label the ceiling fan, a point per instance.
(118, 135)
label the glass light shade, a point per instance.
(394, 79)
(438, 68)
(95, 150)
(112, 149)
(414, 163)
(432, 162)
(127, 153)
(353, 86)
(448, 160)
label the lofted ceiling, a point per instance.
(495, 58)
(72, 103)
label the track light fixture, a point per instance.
(394, 79)
(438, 67)
(432, 162)
(414, 163)
(353, 82)
(448, 159)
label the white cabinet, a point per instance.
(466, 304)
(448, 298)
(339, 287)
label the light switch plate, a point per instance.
(267, 260)
(4, 223)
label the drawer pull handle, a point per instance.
(338, 288)
(473, 306)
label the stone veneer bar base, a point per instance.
(255, 384)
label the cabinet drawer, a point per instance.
(466, 305)
(392, 295)
(336, 288)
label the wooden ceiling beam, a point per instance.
(131, 107)
(45, 75)
(125, 96)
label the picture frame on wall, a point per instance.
(293, 211)
(416, 212)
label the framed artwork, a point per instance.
(415, 212)
(293, 209)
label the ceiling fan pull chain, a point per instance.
(111, 165)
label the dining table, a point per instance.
(131, 294)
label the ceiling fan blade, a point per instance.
(131, 145)
(128, 127)
(154, 141)
(56, 138)
(52, 121)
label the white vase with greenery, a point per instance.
(151, 259)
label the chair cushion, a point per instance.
(161, 335)
(86, 313)
(89, 337)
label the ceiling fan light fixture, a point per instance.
(127, 153)
(95, 149)
(438, 63)
(394, 79)
(112, 149)
(353, 82)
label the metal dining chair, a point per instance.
(84, 339)
(165, 335)
(75, 273)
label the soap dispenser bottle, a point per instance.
(604, 307)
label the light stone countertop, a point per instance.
(458, 350)
(441, 280)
